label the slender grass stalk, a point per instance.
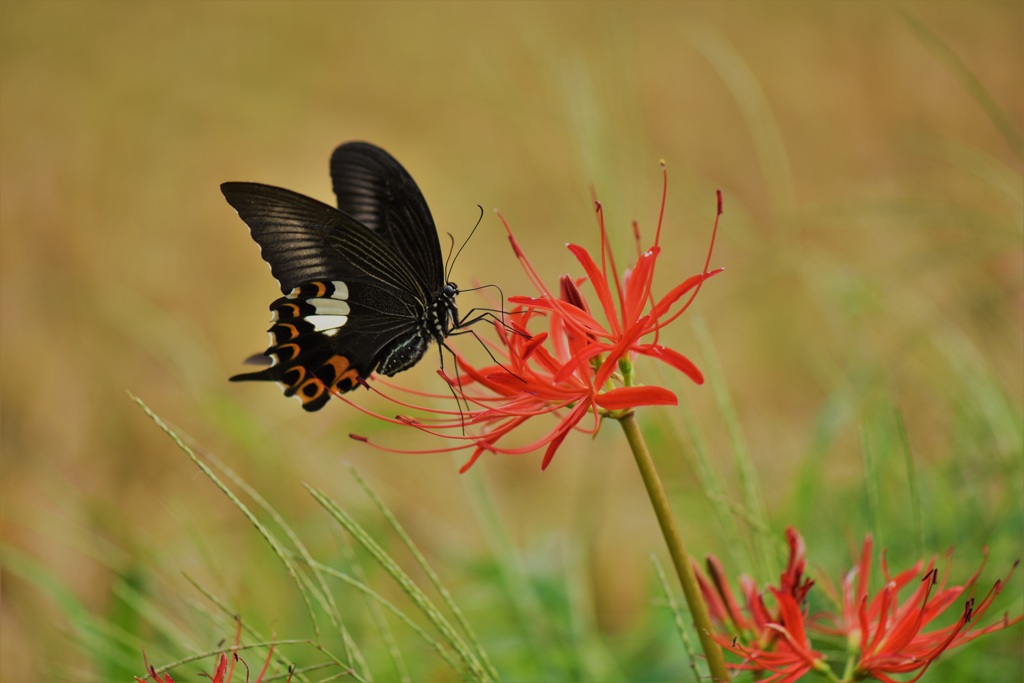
(327, 599)
(446, 596)
(320, 591)
(765, 557)
(275, 544)
(912, 485)
(390, 642)
(712, 485)
(534, 625)
(472, 666)
(677, 615)
(971, 83)
(674, 540)
(872, 485)
(436, 645)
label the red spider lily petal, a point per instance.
(575, 415)
(887, 633)
(477, 452)
(222, 670)
(716, 602)
(534, 344)
(638, 284)
(790, 656)
(623, 398)
(673, 358)
(600, 284)
(792, 619)
(666, 302)
(577, 317)
(734, 613)
(759, 612)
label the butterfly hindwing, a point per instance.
(327, 335)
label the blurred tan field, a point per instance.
(870, 159)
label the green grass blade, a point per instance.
(322, 593)
(272, 540)
(526, 603)
(677, 617)
(765, 555)
(711, 484)
(872, 485)
(743, 83)
(376, 613)
(256, 636)
(472, 667)
(436, 645)
(970, 82)
(429, 571)
(917, 517)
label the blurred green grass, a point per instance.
(872, 240)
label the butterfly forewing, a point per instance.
(304, 240)
(375, 189)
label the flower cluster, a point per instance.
(554, 356)
(225, 671)
(883, 635)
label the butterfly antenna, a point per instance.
(449, 267)
(448, 258)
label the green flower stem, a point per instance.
(680, 558)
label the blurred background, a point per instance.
(864, 347)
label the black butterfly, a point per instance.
(364, 284)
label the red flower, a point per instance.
(788, 654)
(223, 673)
(557, 358)
(773, 643)
(890, 636)
(883, 636)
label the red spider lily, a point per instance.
(223, 673)
(750, 623)
(770, 642)
(889, 636)
(627, 324)
(884, 637)
(556, 358)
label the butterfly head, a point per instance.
(445, 314)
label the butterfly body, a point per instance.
(364, 285)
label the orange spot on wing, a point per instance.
(298, 371)
(343, 370)
(291, 349)
(310, 390)
(291, 331)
